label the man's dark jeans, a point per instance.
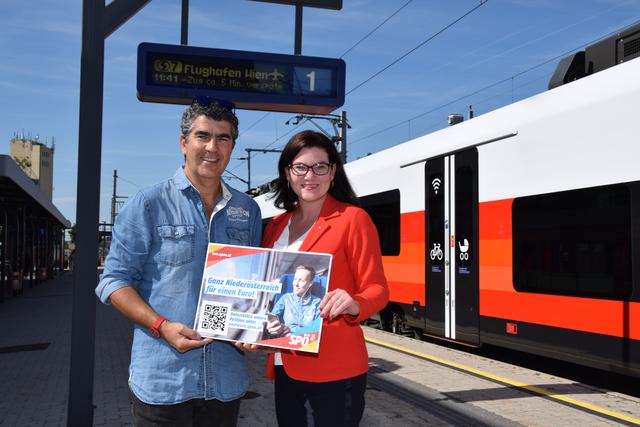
(192, 413)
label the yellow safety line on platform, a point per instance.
(532, 388)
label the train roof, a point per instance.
(504, 122)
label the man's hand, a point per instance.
(338, 302)
(181, 337)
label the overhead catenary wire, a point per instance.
(270, 144)
(482, 2)
(346, 52)
(472, 66)
(255, 123)
(375, 29)
(546, 35)
(468, 95)
(499, 82)
(250, 127)
(233, 175)
(449, 102)
(404, 55)
(129, 182)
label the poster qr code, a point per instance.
(214, 318)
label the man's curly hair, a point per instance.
(214, 111)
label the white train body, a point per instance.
(577, 298)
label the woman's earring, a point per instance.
(289, 185)
(331, 186)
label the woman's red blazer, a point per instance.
(346, 232)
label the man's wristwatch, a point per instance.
(155, 328)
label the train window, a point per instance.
(574, 242)
(384, 210)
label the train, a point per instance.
(520, 228)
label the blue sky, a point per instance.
(40, 68)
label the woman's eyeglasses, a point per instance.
(301, 169)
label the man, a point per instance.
(153, 272)
(296, 309)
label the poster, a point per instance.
(263, 296)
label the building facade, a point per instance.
(36, 160)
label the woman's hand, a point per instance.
(338, 302)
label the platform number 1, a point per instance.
(312, 81)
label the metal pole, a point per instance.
(248, 169)
(5, 247)
(60, 250)
(113, 196)
(37, 248)
(297, 50)
(261, 150)
(62, 235)
(343, 136)
(80, 404)
(19, 259)
(184, 28)
(24, 244)
(98, 22)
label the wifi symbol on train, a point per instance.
(436, 185)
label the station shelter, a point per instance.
(32, 232)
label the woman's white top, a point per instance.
(283, 244)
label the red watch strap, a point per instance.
(155, 328)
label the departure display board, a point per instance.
(176, 74)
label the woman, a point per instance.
(322, 216)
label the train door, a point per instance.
(451, 249)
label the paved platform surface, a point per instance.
(485, 386)
(402, 390)
(34, 368)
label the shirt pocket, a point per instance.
(238, 236)
(177, 244)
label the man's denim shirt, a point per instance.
(159, 246)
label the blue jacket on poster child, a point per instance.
(158, 246)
